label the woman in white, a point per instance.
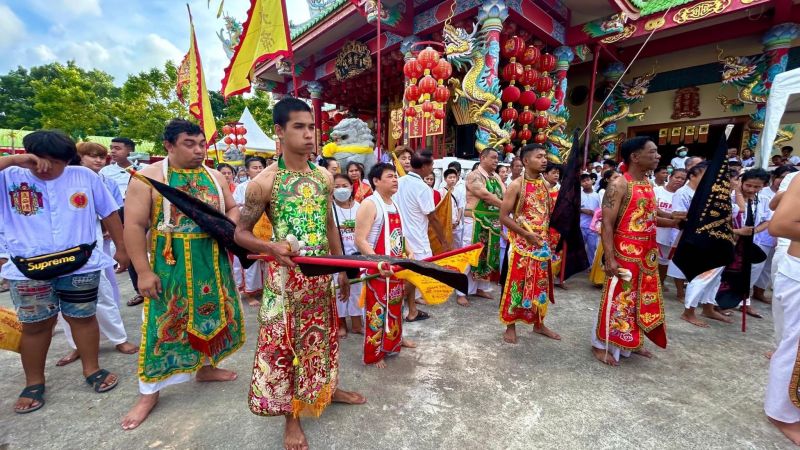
(344, 211)
(665, 237)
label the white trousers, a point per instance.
(466, 240)
(761, 273)
(254, 278)
(703, 288)
(777, 403)
(350, 308)
(674, 272)
(777, 305)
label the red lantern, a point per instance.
(411, 112)
(540, 122)
(427, 106)
(438, 114)
(324, 137)
(547, 62)
(508, 114)
(243, 141)
(513, 71)
(527, 98)
(441, 94)
(525, 134)
(542, 104)
(512, 134)
(412, 93)
(238, 129)
(443, 70)
(525, 117)
(513, 47)
(544, 84)
(428, 57)
(529, 77)
(540, 138)
(228, 140)
(226, 129)
(337, 118)
(427, 84)
(508, 148)
(413, 69)
(530, 56)
(325, 116)
(326, 126)
(510, 94)
(244, 130)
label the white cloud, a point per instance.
(62, 9)
(12, 28)
(44, 53)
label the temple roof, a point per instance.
(307, 25)
(647, 7)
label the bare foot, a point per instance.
(144, 405)
(293, 436)
(208, 373)
(380, 364)
(342, 332)
(603, 357)
(510, 334)
(69, 359)
(716, 315)
(692, 319)
(644, 352)
(357, 331)
(127, 348)
(420, 301)
(483, 294)
(790, 430)
(768, 354)
(461, 300)
(348, 397)
(253, 302)
(408, 343)
(544, 331)
(562, 286)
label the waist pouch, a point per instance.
(54, 265)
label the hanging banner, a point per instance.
(354, 59)
(433, 126)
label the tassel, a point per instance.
(167, 253)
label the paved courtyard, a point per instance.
(463, 388)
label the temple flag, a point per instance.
(444, 212)
(707, 240)
(199, 102)
(399, 167)
(433, 291)
(265, 35)
(567, 211)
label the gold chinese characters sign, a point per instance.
(700, 10)
(433, 126)
(355, 58)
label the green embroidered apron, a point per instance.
(486, 230)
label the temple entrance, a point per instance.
(700, 137)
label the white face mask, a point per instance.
(342, 194)
(681, 154)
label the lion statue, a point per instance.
(352, 141)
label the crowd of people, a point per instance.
(70, 221)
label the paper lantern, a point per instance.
(542, 104)
(228, 140)
(325, 116)
(412, 93)
(324, 137)
(540, 138)
(441, 94)
(508, 148)
(513, 71)
(513, 47)
(337, 118)
(427, 106)
(239, 130)
(544, 84)
(427, 84)
(510, 94)
(428, 57)
(540, 121)
(438, 114)
(326, 126)
(547, 62)
(529, 77)
(527, 98)
(512, 134)
(412, 69)
(525, 134)
(525, 117)
(226, 129)
(530, 56)
(243, 141)
(443, 70)
(508, 114)
(411, 112)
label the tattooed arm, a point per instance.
(612, 202)
(476, 185)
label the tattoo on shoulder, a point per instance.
(608, 199)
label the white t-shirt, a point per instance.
(763, 214)
(665, 236)
(40, 217)
(794, 160)
(239, 192)
(120, 175)
(678, 162)
(346, 221)
(787, 180)
(682, 199)
(589, 200)
(415, 201)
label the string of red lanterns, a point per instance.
(234, 135)
(429, 89)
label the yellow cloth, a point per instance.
(199, 101)
(265, 36)
(444, 212)
(400, 171)
(435, 292)
(332, 148)
(10, 330)
(597, 276)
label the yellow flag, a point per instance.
(400, 171)
(265, 35)
(199, 101)
(444, 212)
(10, 330)
(435, 292)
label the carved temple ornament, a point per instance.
(354, 59)
(686, 104)
(700, 10)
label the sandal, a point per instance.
(97, 379)
(421, 315)
(34, 392)
(135, 300)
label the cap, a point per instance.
(597, 164)
(683, 147)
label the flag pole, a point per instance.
(378, 110)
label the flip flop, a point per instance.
(34, 392)
(135, 300)
(67, 360)
(97, 379)
(421, 315)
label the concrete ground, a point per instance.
(463, 388)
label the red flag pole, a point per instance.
(378, 111)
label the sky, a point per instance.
(120, 37)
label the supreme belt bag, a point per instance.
(54, 265)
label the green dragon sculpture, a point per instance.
(618, 107)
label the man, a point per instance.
(296, 360)
(693, 161)
(416, 205)
(787, 151)
(665, 236)
(679, 161)
(527, 287)
(39, 187)
(516, 170)
(782, 399)
(631, 307)
(747, 198)
(482, 224)
(192, 312)
(590, 202)
(733, 155)
(252, 281)
(121, 148)
(660, 176)
(451, 179)
(609, 164)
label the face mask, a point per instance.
(681, 154)
(242, 178)
(669, 170)
(342, 194)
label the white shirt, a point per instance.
(41, 217)
(794, 160)
(682, 199)
(678, 162)
(665, 236)
(415, 201)
(763, 214)
(589, 200)
(113, 188)
(377, 225)
(346, 221)
(120, 175)
(787, 180)
(239, 193)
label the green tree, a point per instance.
(260, 104)
(16, 101)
